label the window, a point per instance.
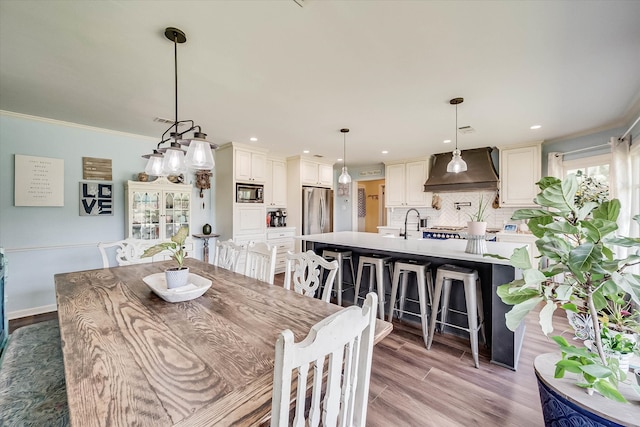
(595, 168)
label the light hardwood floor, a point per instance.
(411, 386)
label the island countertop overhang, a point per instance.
(451, 248)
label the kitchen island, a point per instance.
(505, 344)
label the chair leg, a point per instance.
(472, 318)
(403, 292)
(339, 284)
(481, 311)
(444, 310)
(358, 281)
(381, 294)
(394, 292)
(434, 309)
(424, 320)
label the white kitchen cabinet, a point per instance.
(404, 184)
(275, 189)
(249, 220)
(282, 238)
(157, 209)
(316, 174)
(520, 169)
(250, 166)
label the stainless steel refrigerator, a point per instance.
(317, 210)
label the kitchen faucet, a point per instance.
(405, 222)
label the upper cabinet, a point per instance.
(275, 189)
(250, 165)
(316, 174)
(157, 209)
(404, 184)
(520, 169)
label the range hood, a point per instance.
(480, 173)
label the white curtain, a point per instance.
(620, 178)
(554, 165)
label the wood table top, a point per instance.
(131, 358)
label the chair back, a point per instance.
(343, 345)
(227, 254)
(261, 262)
(304, 271)
(129, 251)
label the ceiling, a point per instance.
(293, 76)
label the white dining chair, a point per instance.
(304, 271)
(128, 252)
(261, 262)
(343, 343)
(227, 254)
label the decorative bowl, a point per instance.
(195, 287)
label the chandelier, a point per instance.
(172, 160)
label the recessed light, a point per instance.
(339, 160)
(385, 152)
(253, 139)
(534, 127)
(305, 151)
(446, 141)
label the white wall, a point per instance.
(43, 241)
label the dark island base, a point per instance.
(505, 345)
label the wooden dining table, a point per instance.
(130, 358)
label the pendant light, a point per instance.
(456, 164)
(344, 177)
(172, 160)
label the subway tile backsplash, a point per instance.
(449, 215)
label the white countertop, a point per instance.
(452, 248)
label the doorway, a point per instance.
(369, 208)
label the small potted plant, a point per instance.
(477, 225)
(179, 276)
(578, 238)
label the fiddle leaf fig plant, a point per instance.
(578, 238)
(175, 246)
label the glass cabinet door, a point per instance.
(146, 215)
(176, 211)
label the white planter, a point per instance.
(176, 277)
(476, 228)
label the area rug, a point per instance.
(32, 385)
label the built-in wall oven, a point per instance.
(249, 193)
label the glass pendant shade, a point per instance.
(154, 165)
(199, 155)
(456, 164)
(344, 177)
(173, 162)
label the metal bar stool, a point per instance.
(422, 271)
(377, 262)
(341, 256)
(445, 276)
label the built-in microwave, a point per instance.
(249, 193)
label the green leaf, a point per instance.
(531, 213)
(547, 181)
(181, 235)
(629, 283)
(536, 225)
(154, 250)
(609, 210)
(628, 242)
(597, 370)
(553, 247)
(521, 259)
(496, 256)
(559, 195)
(513, 296)
(582, 257)
(585, 210)
(546, 317)
(572, 366)
(609, 391)
(564, 292)
(533, 277)
(561, 227)
(561, 341)
(515, 316)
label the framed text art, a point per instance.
(96, 198)
(39, 181)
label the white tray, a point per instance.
(195, 287)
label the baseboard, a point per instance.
(31, 311)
